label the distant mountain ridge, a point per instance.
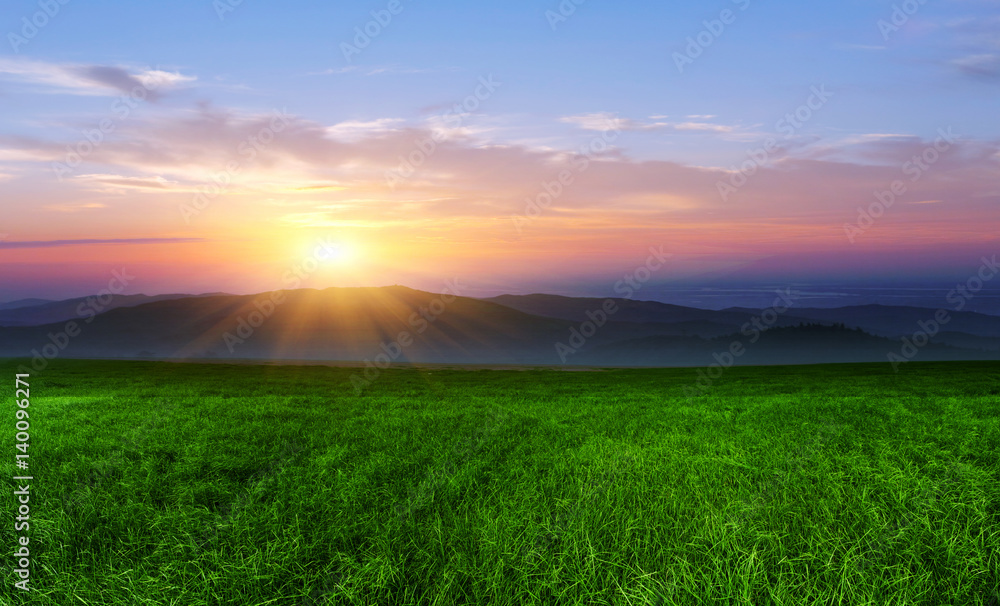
(398, 324)
(879, 320)
(898, 321)
(24, 303)
(35, 312)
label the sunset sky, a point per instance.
(120, 118)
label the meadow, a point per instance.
(199, 484)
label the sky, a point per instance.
(247, 146)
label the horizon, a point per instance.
(985, 302)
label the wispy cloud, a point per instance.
(87, 242)
(90, 79)
(333, 71)
(975, 44)
(374, 70)
(73, 207)
(353, 129)
(338, 172)
(860, 47)
(114, 182)
(984, 65)
(603, 121)
(699, 126)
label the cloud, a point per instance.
(82, 79)
(374, 70)
(862, 47)
(977, 43)
(320, 187)
(353, 129)
(700, 126)
(985, 65)
(331, 71)
(15, 148)
(603, 121)
(868, 136)
(116, 182)
(75, 207)
(893, 150)
(55, 243)
(326, 177)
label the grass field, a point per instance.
(189, 484)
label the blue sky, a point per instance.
(605, 57)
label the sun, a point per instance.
(338, 252)
(324, 251)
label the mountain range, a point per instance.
(398, 324)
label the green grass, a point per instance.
(177, 484)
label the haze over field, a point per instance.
(401, 325)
